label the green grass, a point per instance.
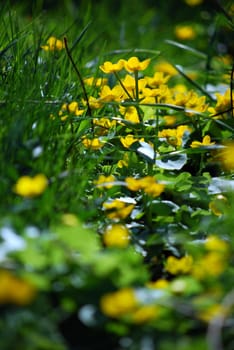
(126, 245)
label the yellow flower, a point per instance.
(185, 32)
(214, 243)
(223, 103)
(123, 162)
(211, 264)
(195, 102)
(97, 82)
(128, 140)
(170, 120)
(94, 144)
(166, 67)
(104, 123)
(205, 142)
(179, 266)
(53, 44)
(69, 219)
(159, 284)
(119, 303)
(72, 107)
(133, 64)
(174, 136)
(148, 184)
(130, 113)
(116, 236)
(27, 186)
(145, 313)
(226, 156)
(158, 79)
(151, 187)
(107, 94)
(211, 312)
(129, 84)
(109, 67)
(105, 181)
(133, 184)
(94, 103)
(118, 209)
(15, 290)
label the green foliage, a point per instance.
(128, 243)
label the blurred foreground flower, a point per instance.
(94, 144)
(119, 303)
(14, 290)
(118, 209)
(27, 186)
(53, 44)
(116, 236)
(185, 32)
(148, 184)
(177, 266)
(226, 156)
(105, 181)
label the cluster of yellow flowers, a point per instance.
(124, 303)
(28, 186)
(53, 44)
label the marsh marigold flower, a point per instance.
(53, 44)
(108, 95)
(97, 82)
(105, 181)
(116, 236)
(130, 113)
(158, 79)
(148, 184)
(72, 107)
(174, 136)
(118, 209)
(214, 243)
(206, 141)
(185, 32)
(159, 284)
(133, 64)
(223, 103)
(215, 261)
(226, 156)
(166, 67)
(109, 67)
(212, 311)
(145, 313)
(128, 140)
(94, 144)
(123, 162)
(27, 186)
(15, 290)
(179, 266)
(119, 303)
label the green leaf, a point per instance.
(78, 239)
(164, 208)
(172, 161)
(187, 48)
